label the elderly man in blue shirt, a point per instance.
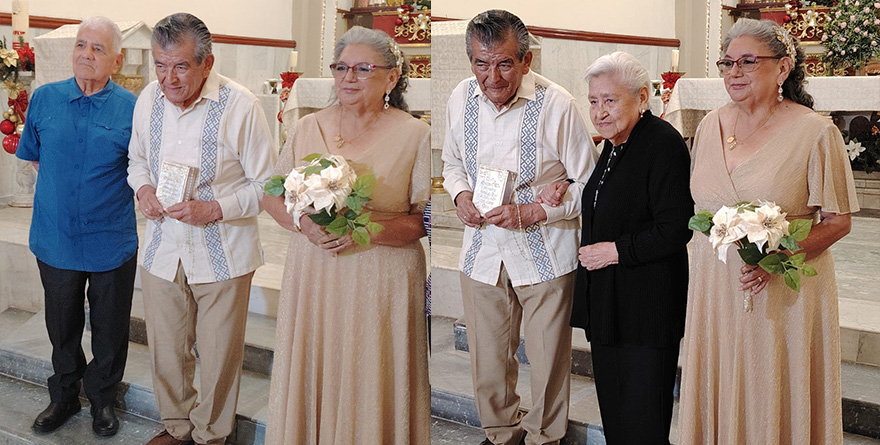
(84, 228)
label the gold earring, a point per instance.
(779, 98)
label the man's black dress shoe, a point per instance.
(55, 415)
(104, 421)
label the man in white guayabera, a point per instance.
(518, 258)
(196, 127)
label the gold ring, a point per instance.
(760, 280)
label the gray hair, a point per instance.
(98, 22)
(381, 43)
(765, 32)
(493, 27)
(172, 30)
(623, 67)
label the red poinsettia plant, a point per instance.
(669, 79)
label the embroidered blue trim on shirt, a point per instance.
(528, 167)
(207, 173)
(471, 142)
(156, 117)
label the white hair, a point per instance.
(625, 68)
(99, 22)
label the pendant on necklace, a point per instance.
(339, 145)
(337, 138)
(732, 141)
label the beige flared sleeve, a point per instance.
(286, 157)
(421, 174)
(829, 174)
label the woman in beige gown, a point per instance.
(770, 376)
(351, 343)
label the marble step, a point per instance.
(860, 383)
(259, 337)
(30, 399)
(26, 355)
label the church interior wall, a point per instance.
(648, 18)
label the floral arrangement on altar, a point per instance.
(758, 229)
(331, 193)
(852, 37)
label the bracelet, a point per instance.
(519, 217)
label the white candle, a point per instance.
(293, 61)
(675, 60)
(20, 19)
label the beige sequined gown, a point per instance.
(351, 362)
(771, 376)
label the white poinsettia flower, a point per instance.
(727, 230)
(766, 225)
(329, 188)
(296, 196)
(854, 149)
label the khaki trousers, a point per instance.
(493, 315)
(178, 315)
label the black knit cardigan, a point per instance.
(643, 207)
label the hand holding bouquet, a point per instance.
(758, 229)
(328, 190)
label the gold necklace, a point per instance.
(340, 141)
(732, 139)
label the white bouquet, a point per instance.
(331, 193)
(758, 229)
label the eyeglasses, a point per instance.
(361, 70)
(746, 64)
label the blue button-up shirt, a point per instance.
(83, 206)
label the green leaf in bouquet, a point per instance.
(350, 214)
(312, 157)
(750, 254)
(324, 163)
(375, 228)
(364, 185)
(773, 263)
(701, 222)
(363, 219)
(792, 279)
(799, 229)
(360, 236)
(797, 260)
(275, 186)
(338, 227)
(356, 203)
(323, 218)
(308, 171)
(809, 271)
(790, 244)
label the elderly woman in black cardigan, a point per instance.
(631, 288)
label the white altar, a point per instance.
(311, 94)
(692, 99)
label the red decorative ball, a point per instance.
(10, 143)
(398, 22)
(7, 127)
(786, 19)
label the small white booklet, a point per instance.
(176, 183)
(493, 188)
